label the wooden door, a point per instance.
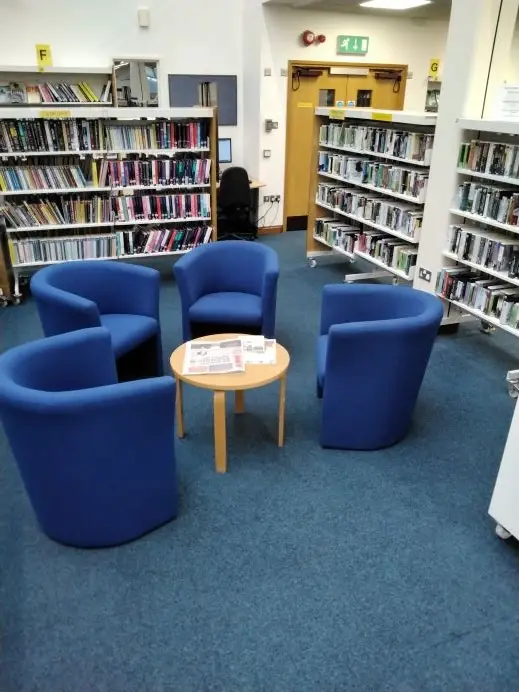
(304, 95)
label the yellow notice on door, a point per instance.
(388, 117)
(434, 68)
(336, 114)
(43, 56)
(305, 104)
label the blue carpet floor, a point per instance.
(301, 570)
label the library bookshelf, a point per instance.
(480, 269)
(127, 184)
(368, 188)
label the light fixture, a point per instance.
(394, 4)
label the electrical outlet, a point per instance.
(267, 72)
(277, 198)
(266, 198)
(283, 72)
(272, 199)
(266, 153)
(425, 274)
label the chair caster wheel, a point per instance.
(487, 328)
(312, 263)
(502, 533)
(17, 300)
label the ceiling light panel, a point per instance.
(394, 4)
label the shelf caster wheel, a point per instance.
(487, 328)
(502, 533)
(312, 263)
(17, 300)
(395, 281)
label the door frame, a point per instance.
(330, 63)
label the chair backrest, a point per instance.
(234, 188)
(231, 266)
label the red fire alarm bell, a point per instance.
(308, 37)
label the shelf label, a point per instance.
(388, 117)
(434, 68)
(336, 114)
(55, 114)
(43, 56)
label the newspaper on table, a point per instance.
(214, 357)
(259, 351)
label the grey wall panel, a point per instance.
(183, 92)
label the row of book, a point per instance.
(492, 297)
(491, 250)
(393, 253)
(121, 244)
(159, 135)
(337, 234)
(80, 134)
(13, 93)
(490, 202)
(58, 210)
(490, 157)
(390, 251)
(412, 146)
(15, 178)
(181, 171)
(97, 209)
(33, 135)
(42, 250)
(372, 207)
(404, 181)
(141, 241)
(140, 207)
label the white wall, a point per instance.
(195, 36)
(392, 40)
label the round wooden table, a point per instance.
(253, 376)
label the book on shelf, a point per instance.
(337, 234)
(143, 206)
(412, 146)
(491, 250)
(58, 249)
(404, 181)
(57, 211)
(390, 251)
(14, 93)
(492, 297)
(405, 219)
(487, 201)
(43, 135)
(491, 158)
(61, 172)
(144, 241)
(162, 134)
(182, 171)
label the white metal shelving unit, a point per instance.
(87, 230)
(502, 132)
(422, 123)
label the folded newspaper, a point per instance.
(228, 355)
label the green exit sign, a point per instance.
(352, 45)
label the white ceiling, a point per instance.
(439, 9)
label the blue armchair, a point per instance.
(96, 457)
(227, 285)
(372, 353)
(124, 298)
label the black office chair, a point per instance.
(234, 206)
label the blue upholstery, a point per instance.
(97, 457)
(228, 283)
(124, 298)
(372, 353)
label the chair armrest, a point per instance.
(189, 278)
(269, 294)
(131, 289)
(336, 304)
(61, 311)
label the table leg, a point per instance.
(220, 436)
(180, 408)
(239, 401)
(281, 416)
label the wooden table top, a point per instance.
(253, 376)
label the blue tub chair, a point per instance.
(124, 298)
(228, 286)
(372, 353)
(96, 456)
